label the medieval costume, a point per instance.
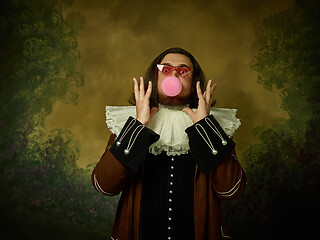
(172, 173)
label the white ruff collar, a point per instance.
(170, 123)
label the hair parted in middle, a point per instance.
(152, 75)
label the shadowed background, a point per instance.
(119, 39)
(62, 61)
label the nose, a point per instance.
(174, 73)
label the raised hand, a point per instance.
(144, 115)
(204, 104)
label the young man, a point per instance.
(173, 164)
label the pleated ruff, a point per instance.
(170, 123)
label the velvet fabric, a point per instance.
(167, 198)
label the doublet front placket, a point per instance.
(170, 198)
(168, 186)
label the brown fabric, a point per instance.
(221, 183)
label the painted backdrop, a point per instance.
(62, 61)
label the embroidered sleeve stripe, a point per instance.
(233, 190)
(211, 125)
(225, 236)
(97, 186)
(135, 138)
(234, 157)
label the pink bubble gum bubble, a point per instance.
(171, 86)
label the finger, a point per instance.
(204, 94)
(212, 92)
(213, 88)
(153, 111)
(136, 89)
(149, 90)
(188, 111)
(199, 93)
(141, 87)
(208, 90)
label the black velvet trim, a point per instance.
(140, 147)
(155, 204)
(201, 152)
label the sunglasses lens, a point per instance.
(167, 69)
(183, 70)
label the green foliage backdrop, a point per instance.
(282, 197)
(45, 195)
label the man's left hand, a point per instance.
(204, 104)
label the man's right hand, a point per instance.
(143, 113)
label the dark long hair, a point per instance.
(152, 75)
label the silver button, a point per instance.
(170, 209)
(170, 200)
(169, 228)
(171, 175)
(126, 151)
(172, 167)
(170, 191)
(169, 238)
(171, 183)
(169, 218)
(172, 159)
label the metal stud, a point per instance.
(126, 151)
(224, 142)
(118, 143)
(214, 152)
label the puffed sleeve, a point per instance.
(214, 153)
(122, 154)
(109, 176)
(229, 179)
